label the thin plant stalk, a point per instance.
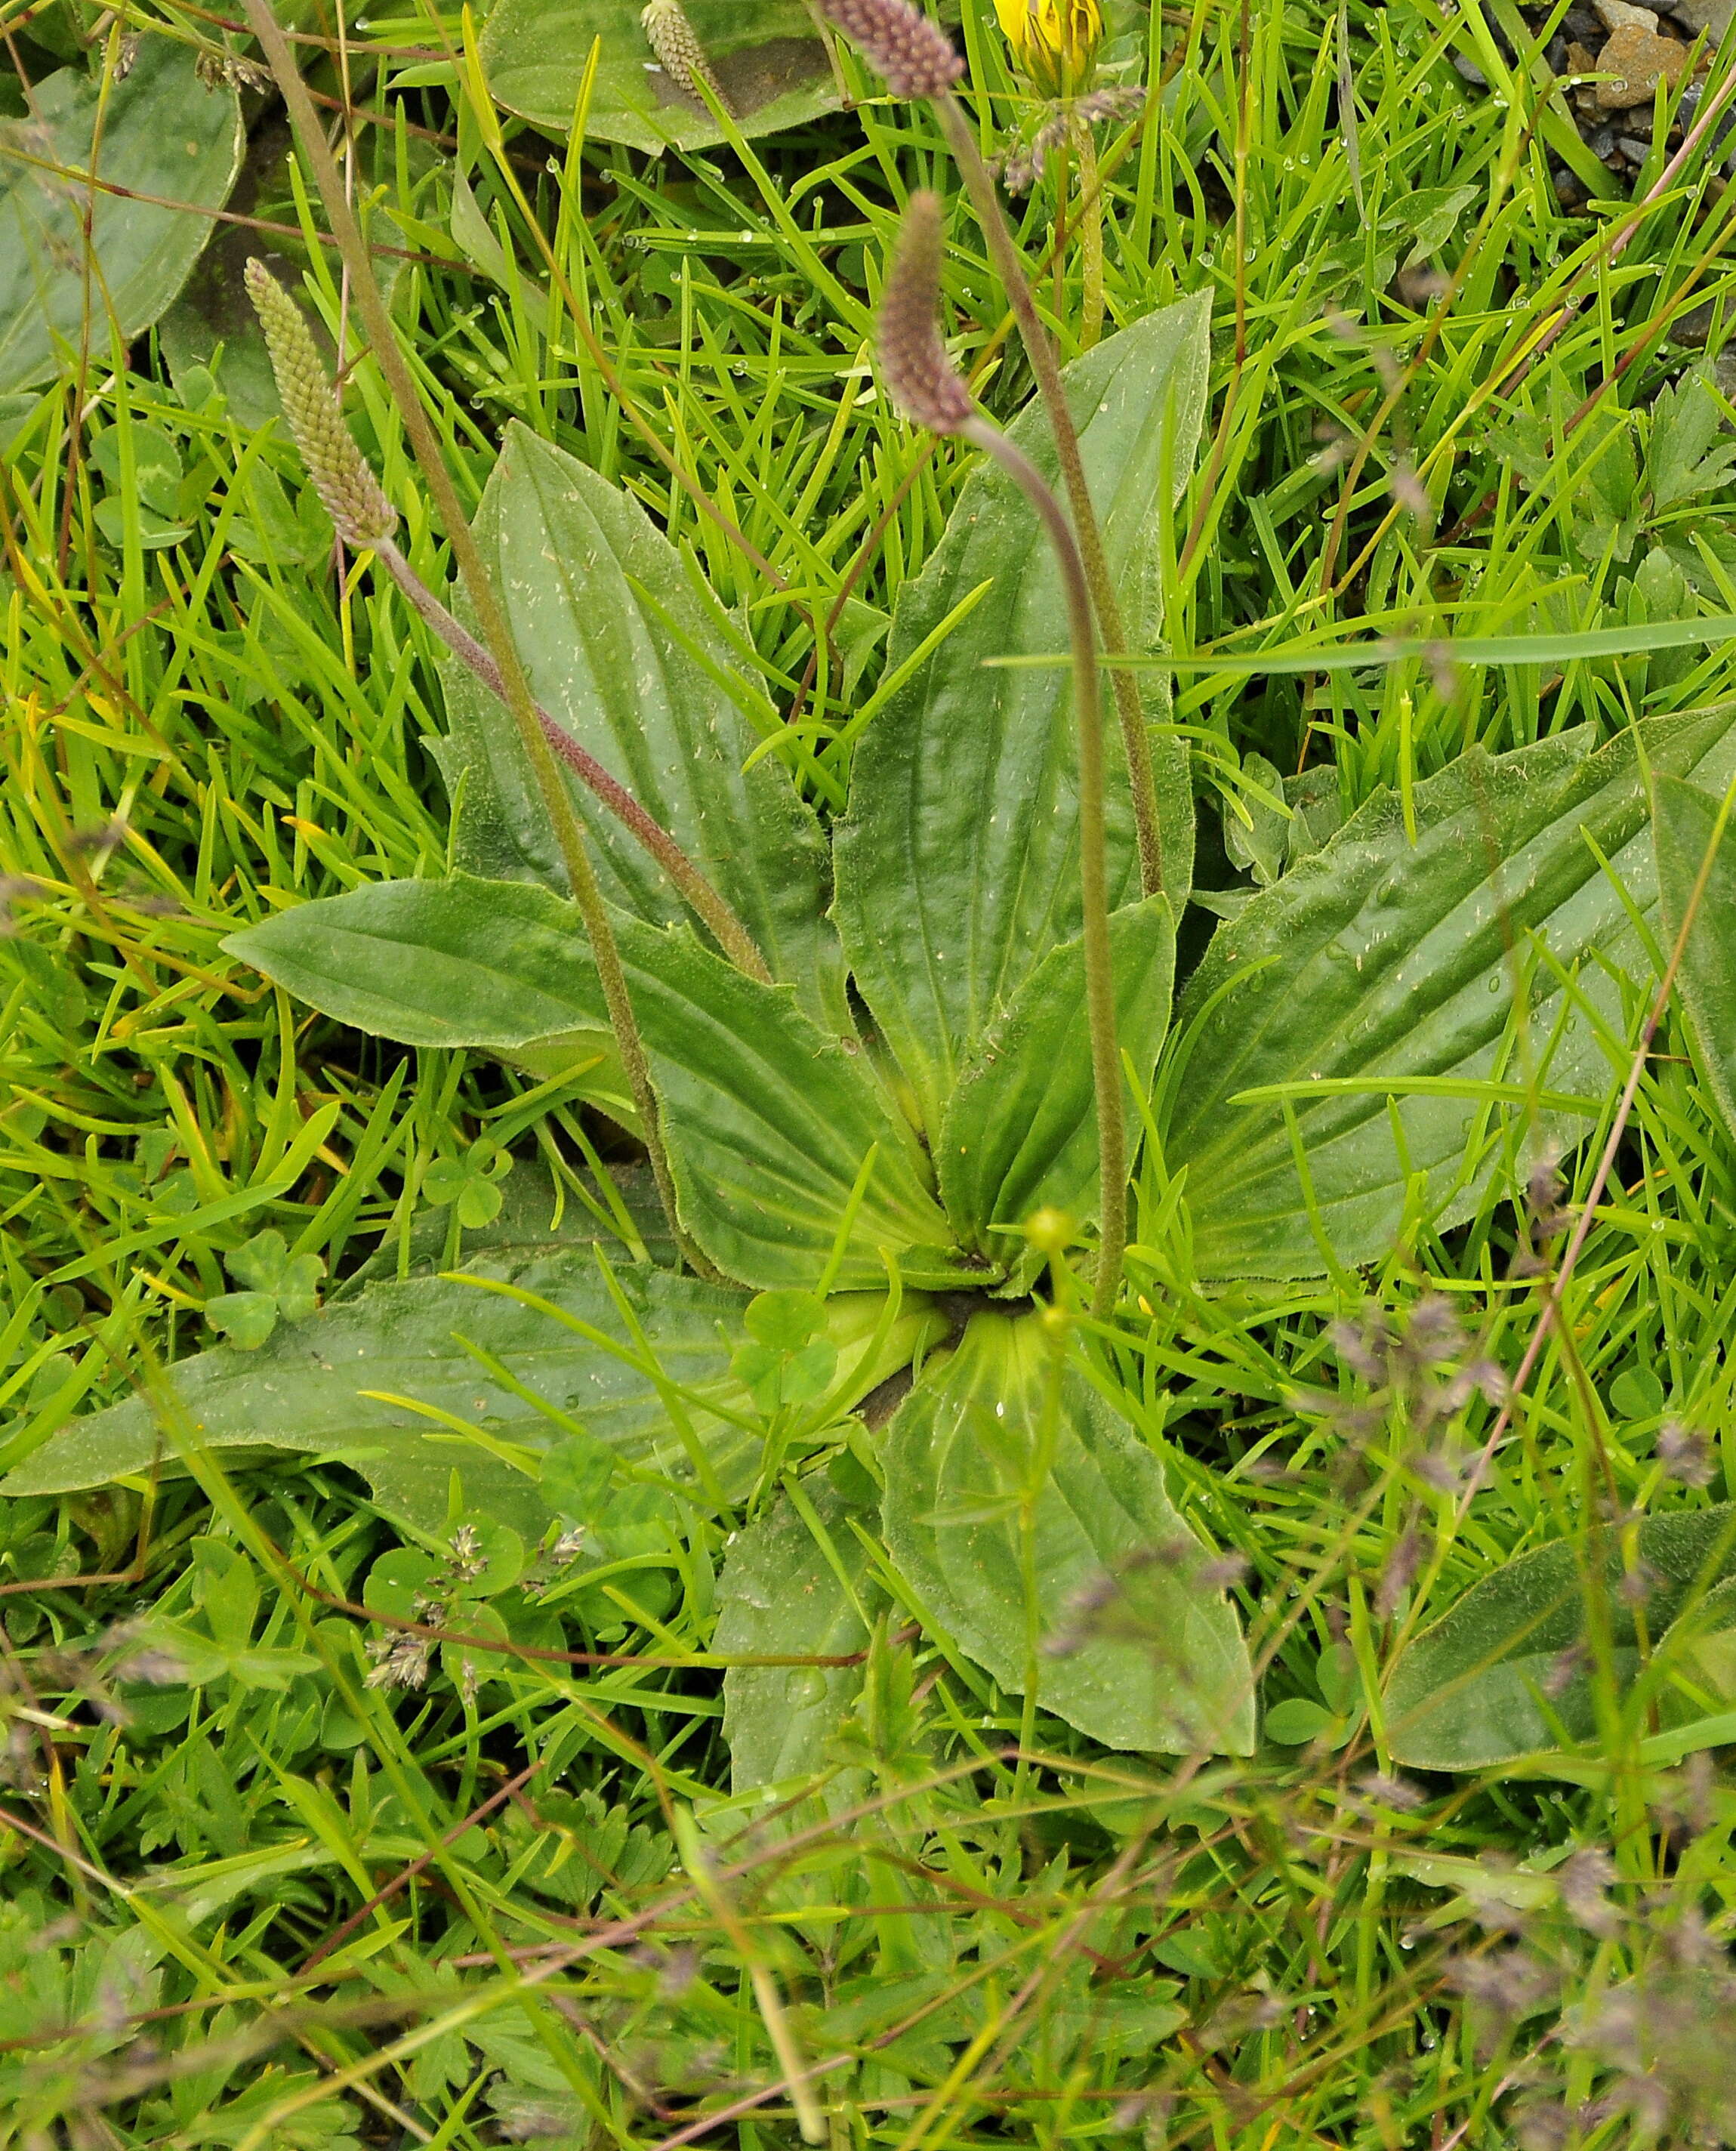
(923, 382)
(1094, 894)
(495, 634)
(736, 942)
(917, 61)
(1045, 367)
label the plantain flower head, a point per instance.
(919, 375)
(348, 488)
(1053, 41)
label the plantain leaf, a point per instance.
(347, 1382)
(1021, 1129)
(1139, 1648)
(610, 630)
(957, 869)
(1684, 830)
(168, 150)
(772, 67)
(768, 1120)
(1514, 1662)
(780, 1595)
(1377, 960)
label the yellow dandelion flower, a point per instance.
(1053, 41)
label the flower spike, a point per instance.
(919, 376)
(899, 41)
(348, 490)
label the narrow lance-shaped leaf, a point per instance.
(957, 869)
(1685, 833)
(1515, 1659)
(1138, 1646)
(1021, 1129)
(167, 146)
(769, 1121)
(395, 1382)
(1384, 972)
(610, 630)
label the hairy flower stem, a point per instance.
(495, 634)
(1099, 972)
(1046, 367)
(733, 938)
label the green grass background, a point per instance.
(245, 1914)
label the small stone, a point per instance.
(1697, 15)
(1580, 60)
(1635, 151)
(1617, 15)
(1472, 72)
(1582, 23)
(1638, 60)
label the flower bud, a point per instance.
(348, 490)
(919, 375)
(1053, 41)
(899, 41)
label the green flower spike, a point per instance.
(348, 488)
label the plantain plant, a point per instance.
(858, 1040)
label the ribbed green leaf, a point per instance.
(1021, 1129)
(1142, 1649)
(346, 1382)
(957, 869)
(1684, 830)
(304, 1390)
(1516, 1658)
(1376, 962)
(768, 1120)
(169, 151)
(780, 1597)
(565, 551)
(773, 68)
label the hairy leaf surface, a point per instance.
(169, 145)
(768, 1120)
(782, 1596)
(611, 629)
(773, 68)
(1021, 1129)
(1377, 961)
(1685, 830)
(349, 1382)
(957, 869)
(1515, 1661)
(1143, 1650)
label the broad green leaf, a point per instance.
(1135, 1646)
(1021, 1129)
(393, 1383)
(957, 869)
(1377, 963)
(1684, 829)
(1516, 1657)
(611, 629)
(167, 145)
(781, 1596)
(773, 69)
(768, 1120)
